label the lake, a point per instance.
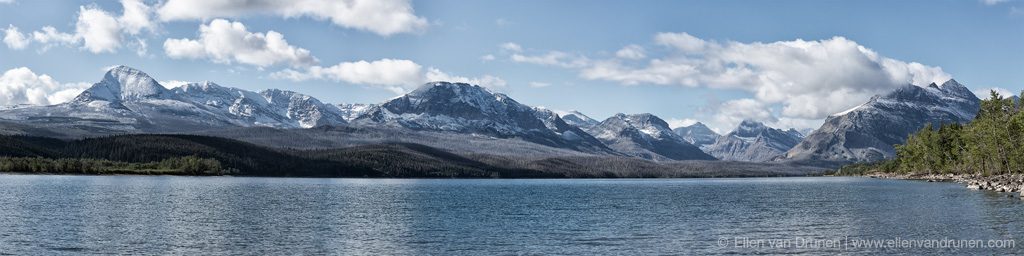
(46, 215)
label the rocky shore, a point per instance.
(1012, 184)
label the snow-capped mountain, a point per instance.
(272, 108)
(697, 134)
(645, 136)
(752, 141)
(127, 100)
(465, 108)
(578, 119)
(869, 131)
(352, 111)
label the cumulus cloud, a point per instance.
(99, 30)
(632, 52)
(22, 86)
(806, 80)
(383, 17)
(228, 42)
(488, 57)
(96, 30)
(397, 75)
(15, 39)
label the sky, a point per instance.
(789, 64)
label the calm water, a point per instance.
(45, 215)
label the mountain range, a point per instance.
(469, 119)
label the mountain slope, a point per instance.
(869, 131)
(697, 134)
(645, 136)
(753, 142)
(464, 108)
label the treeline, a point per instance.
(189, 165)
(993, 143)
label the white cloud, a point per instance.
(171, 84)
(632, 52)
(397, 75)
(384, 17)
(228, 42)
(97, 30)
(22, 86)
(15, 39)
(510, 46)
(729, 114)
(539, 84)
(488, 57)
(993, 2)
(985, 93)
(49, 36)
(136, 17)
(552, 58)
(676, 123)
(6, 1)
(682, 41)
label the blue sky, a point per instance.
(787, 63)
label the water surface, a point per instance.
(231, 215)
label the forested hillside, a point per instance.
(991, 144)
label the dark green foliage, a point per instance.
(991, 144)
(189, 165)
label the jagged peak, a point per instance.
(642, 119)
(951, 83)
(123, 83)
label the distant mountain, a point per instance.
(127, 100)
(352, 111)
(645, 136)
(753, 142)
(272, 108)
(579, 119)
(465, 108)
(697, 134)
(869, 131)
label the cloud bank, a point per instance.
(383, 17)
(22, 86)
(227, 42)
(805, 80)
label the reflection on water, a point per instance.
(230, 215)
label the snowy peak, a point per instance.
(645, 136)
(697, 134)
(749, 128)
(869, 131)
(122, 83)
(753, 141)
(578, 119)
(465, 108)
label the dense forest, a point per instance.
(991, 144)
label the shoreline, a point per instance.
(1011, 184)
